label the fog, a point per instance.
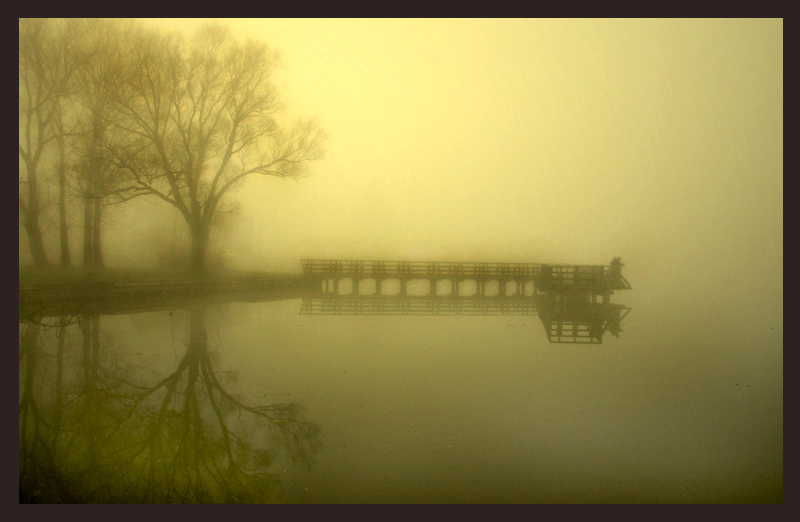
(538, 141)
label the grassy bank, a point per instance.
(75, 291)
(29, 275)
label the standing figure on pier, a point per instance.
(615, 272)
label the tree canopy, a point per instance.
(184, 120)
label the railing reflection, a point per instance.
(572, 301)
(577, 317)
(331, 304)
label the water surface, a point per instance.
(367, 409)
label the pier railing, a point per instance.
(412, 269)
(559, 276)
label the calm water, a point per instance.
(365, 409)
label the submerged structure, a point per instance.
(573, 302)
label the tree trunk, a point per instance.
(96, 245)
(199, 248)
(95, 347)
(31, 220)
(31, 223)
(86, 330)
(59, 399)
(91, 350)
(29, 340)
(88, 254)
(62, 202)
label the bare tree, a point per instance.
(44, 76)
(204, 118)
(98, 181)
(62, 192)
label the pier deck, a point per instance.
(527, 277)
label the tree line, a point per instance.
(112, 110)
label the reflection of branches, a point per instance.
(183, 439)
(28, 410)
(182, 451)
(37, 445)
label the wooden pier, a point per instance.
(572, 301)
(512, 279)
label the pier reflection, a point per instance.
(573, 302)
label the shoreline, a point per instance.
(75, 291)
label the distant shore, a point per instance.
(57, 275)
(76, 291)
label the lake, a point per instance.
(254, 402)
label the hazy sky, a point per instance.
(571, 141)
(531, 140)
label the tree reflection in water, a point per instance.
(90, 433)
